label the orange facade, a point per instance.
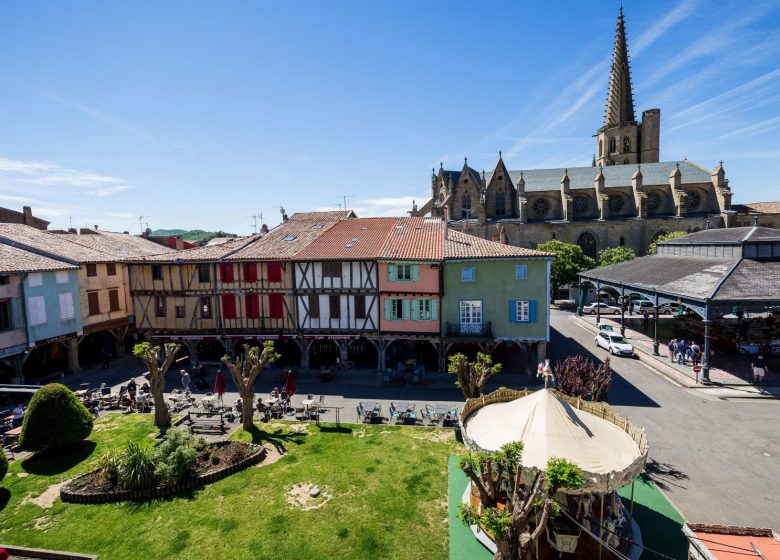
(409, 297)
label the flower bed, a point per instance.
(94, 488)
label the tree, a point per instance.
(665, 237)
(472, 376)
(578, 376)
(55, 419)
(569, 261)
(527, 507)
(150, 356)
(3, 465)
(614, 255)
(244, 370)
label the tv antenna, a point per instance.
(254, 223)
(344, 197)
(141, 222)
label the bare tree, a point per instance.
(497, 477)
(244, 370)
(150, 356)
(472, 376)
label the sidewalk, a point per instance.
(683, 374)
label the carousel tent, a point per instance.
(551, 427)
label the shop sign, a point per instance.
(61, 338)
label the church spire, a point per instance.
(620, 100)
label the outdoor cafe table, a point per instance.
(81, 392)
(439, 412)
(306, 403)
(13, 434)
(338, 411)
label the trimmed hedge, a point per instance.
(55, 419)
(3, 464)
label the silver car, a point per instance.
(604, 309)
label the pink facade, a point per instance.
(409, 297)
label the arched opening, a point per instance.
(601, 148)
(210, 350)
(587, 241)
(554, 236)
(362, 353)
(323, 353)
(622, 241)
(612, 145)
(465, 206)
(626, 143)
(500, 203)
(45, 359)
(94, 345)
(402, 355)
(288, 350)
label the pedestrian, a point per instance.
(672, 346)
(695, 352)
(759, 369)
(185, 380)
(132, 389)
(680, 350)
(645, 319)
(106, 357)
(18, 415)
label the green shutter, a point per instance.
(415, 273)
(415, 310)
(405, 309)
(388, 309)
(434, 310)
(392, 272)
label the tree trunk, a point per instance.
(248, 399)
(162, 418)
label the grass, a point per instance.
(387, 487)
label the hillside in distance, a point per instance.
(192, 234)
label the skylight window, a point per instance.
(317, 227)
(289, 237)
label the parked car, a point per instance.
(671, 308)
(605, 327)
(614, 343)
(604, 309)
(643, 305)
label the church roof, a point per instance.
(727, 236)
(614, 175)
(620, 99)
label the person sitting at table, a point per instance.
(132, 389)
(18, 416)
(274, 394)
(262, 409)
(145, 388)
(91, 404)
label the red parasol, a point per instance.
(289, 386)
(219, 384)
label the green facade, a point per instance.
(498, 289)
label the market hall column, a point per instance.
(705, 370)
(655, 328)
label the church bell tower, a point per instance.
(622, 140)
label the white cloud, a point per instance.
(108, 191)
(52, 174)
(13, 198)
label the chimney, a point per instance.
(264, 229)
(72, 230)
(28, 217)
(96, 227)
(179, 243)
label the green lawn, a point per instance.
(388, 488)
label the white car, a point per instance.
(616, 344)
(604, 309)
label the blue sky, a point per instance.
(201, 114)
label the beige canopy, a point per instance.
(551, 427)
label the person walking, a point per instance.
(185, 381)
(759, 369)
(106, 357)
(672, 346)
(645, 319)
(680, 352)
(695, 352)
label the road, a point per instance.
(717, 460)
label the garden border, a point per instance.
(163, 491)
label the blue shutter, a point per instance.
(434, 310)
(532, 311)
(415, 273)
(512, 311)
(405, 309)
(415, 310)
(388, 309)
(392, 272)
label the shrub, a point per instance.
(177, 455)
(136, 467)
(55, 419)
(3, 465)
(109, 464)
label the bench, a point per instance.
(206, 421)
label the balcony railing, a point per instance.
(470, 329)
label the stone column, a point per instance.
(192, 348)
(655, 329)
(541, 351)
(304, 354)
(72, 344)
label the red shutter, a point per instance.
(274, 272)
(275, 306)
(229, 307)
(250, 272)
(226, 272)
(252, 304)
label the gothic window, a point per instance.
(541, 207)
(601, 147)
(612, 145)
(589, 244)
(581, 204)
(626, 144)
(616, 203)
(500, 203)
(694, 200)
(653, 201)
(465, 206)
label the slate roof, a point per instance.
(753, 280)
(685, 276)
(289, 237)
(757, 208)
(418, 239)
(729, 236)
(459, 245)
(353, 239)
(15, 260)
(614, 175)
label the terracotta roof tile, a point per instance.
(207, 253)
(51, 244)
(356, 238)
(13, 259)
(460, 245)
(415, 239)
(757, 208)
(119, 245)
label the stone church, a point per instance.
(627, 197)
